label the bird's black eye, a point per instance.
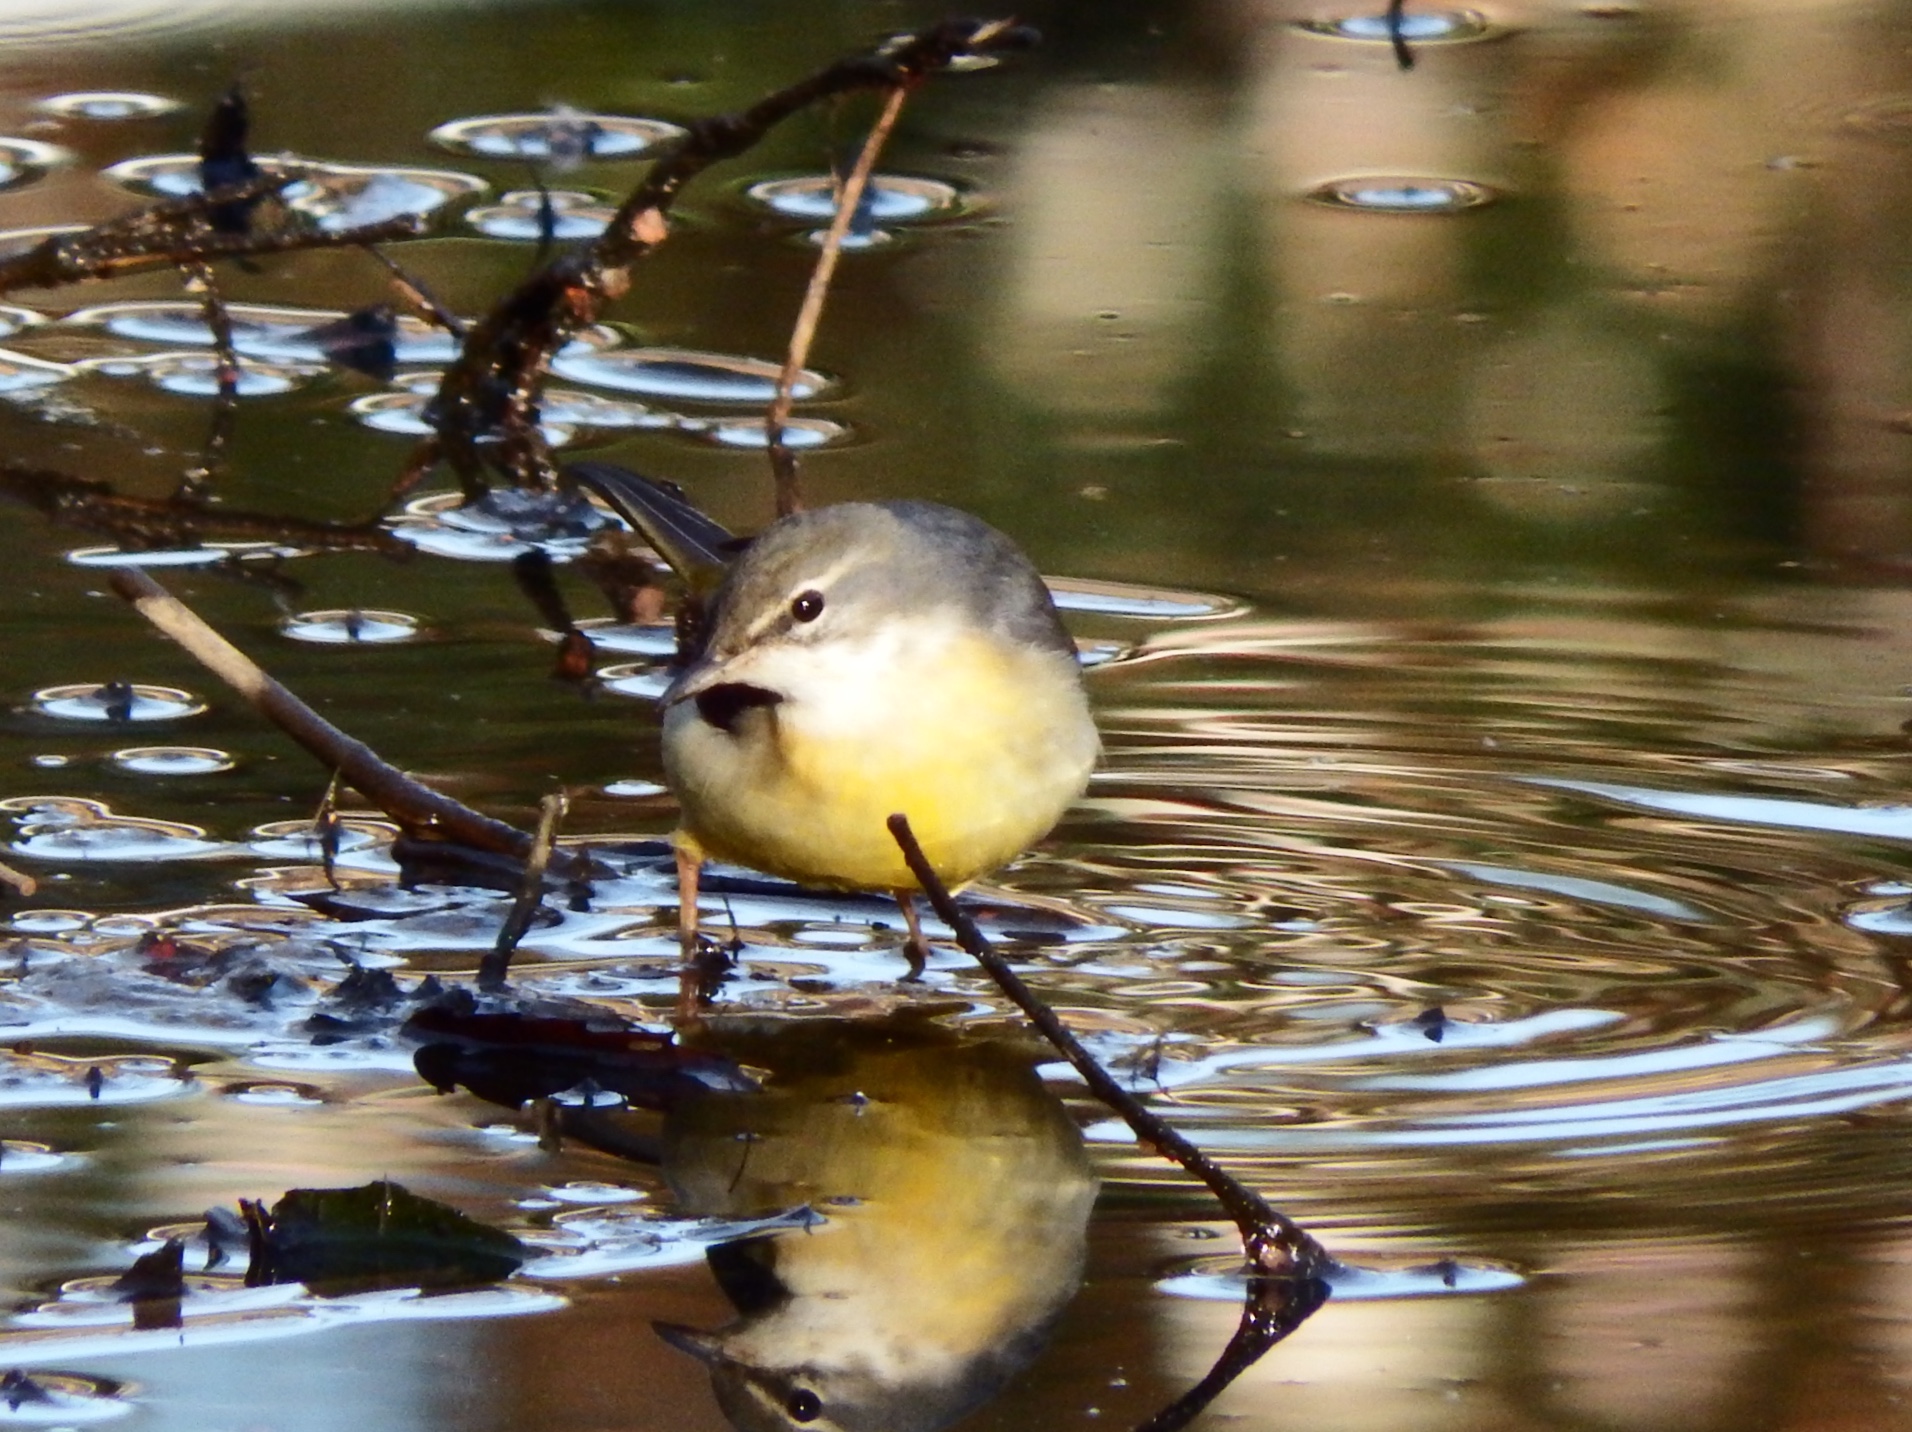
(807, 606)
(803, 1405)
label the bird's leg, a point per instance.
(690, 865)
(915, 948)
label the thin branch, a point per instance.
(179, 231)
(212, 460)
(783, 462)
(412, 804)
(1403, 56)
(1276, 1245)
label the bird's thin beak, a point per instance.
(706, 1347)
(699, 676)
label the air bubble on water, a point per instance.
(267, 331)
(20, 374)
(798, 433)
(350, 626)
(108, 105)
(18, 1156)
(560, 134)
(1219, 1282)
(70, 830)
(209, 555)
(61, 1399)
(1398, 195)
(522, 214)
(1120, 599)
(634, 789)
(642, 681)
(349, 196)
(1429, 27)
(334, 196)
(500, 526)
(172, 760)
(116, 702)
(298, 840)
(280, 1096)
(18, 241)
(14, 318)
(887, 199)
(196, 375)
(24, 160)
(685, 374)
(636, 639)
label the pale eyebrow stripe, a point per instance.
(821, 582)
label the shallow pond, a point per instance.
(1485, 491)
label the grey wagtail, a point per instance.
(954, 1199)
(853, 662)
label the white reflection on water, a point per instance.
(1891, 822)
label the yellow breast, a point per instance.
(981, 742)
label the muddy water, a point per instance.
(1498, 857)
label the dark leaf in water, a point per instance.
(1432, 1022)
(18, 1389)
(510, 1058)
(159, 1274)
(344, 1240)
(365, 341)
(224, 160)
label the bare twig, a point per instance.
(1403, 56)
(24, 884)
(180, 230)
(198, 480)
(1276, 1245)
(415, 806)
(783, 462)
(530, 895)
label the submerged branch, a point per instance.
(415, 806)
(1276, 1245)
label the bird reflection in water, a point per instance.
(954, 1200)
